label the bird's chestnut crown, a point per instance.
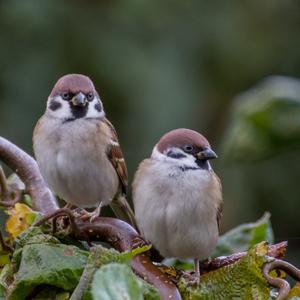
(186, 146)
(73, 84)
(73, 97)
(188, 140)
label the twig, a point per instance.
(3, 183)
(94, 262)
(4, 246)
(16, 195)
(123, 238)
(84, 282)
(281, 284)
(27, 169)
(276, 251)
(9, 196)
(116, 232)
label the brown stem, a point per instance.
(3, 183)
(123, 238)
(276, 251)
(118, 233)
(9, 196)
(27, 169)
(9, 204)
(281, 284)
(4, 246)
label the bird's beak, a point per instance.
(206, 154)
(79, 100)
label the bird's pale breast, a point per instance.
(177, 211)
(72, 159)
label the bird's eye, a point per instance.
(90, 96)
(66, 96)
(188, 148)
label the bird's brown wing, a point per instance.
(220, 202)
(219, 214)
(115, 155)
(119, 204)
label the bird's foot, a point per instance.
(91, 215)
(68, 206)
(86, 215)
(94, 215)
(193, 278)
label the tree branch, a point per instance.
(277, 251)
(27, 169)
(281, 284)
(122, 237)
(120, 234)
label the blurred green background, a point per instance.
(160, 65)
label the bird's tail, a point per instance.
(123, 211)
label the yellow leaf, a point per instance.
(294, 292)
(21, 217)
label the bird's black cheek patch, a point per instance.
(98, 107)
(176, 155)
(54, 105)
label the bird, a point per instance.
(77, 149)
(177, 198)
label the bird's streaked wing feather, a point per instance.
(119, 204)
(115, 155)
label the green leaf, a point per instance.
(149, 292)
(294, 293)
(50, 293)
(253, 134)
(125, 284)
(4, 259)
(241, 280)
(51, 264)
(244, 236)
(34, 235)
(240, 238)
(98, 257)
(6, 276)
(128, 255)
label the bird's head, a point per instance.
(185, 148)
(73, 97)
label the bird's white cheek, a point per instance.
(58, 108)
(187, 160)
(95, 109)
(177, 213)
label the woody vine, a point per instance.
(155, 280)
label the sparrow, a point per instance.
(77, 149)
(178, 198)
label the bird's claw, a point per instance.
(92, 216)
(192, 278)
